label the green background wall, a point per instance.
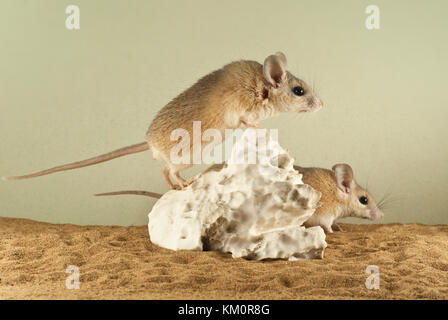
(68, 95)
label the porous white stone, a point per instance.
(255, 211)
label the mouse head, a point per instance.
(286, 92)
(359, 203)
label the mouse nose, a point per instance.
(322, 103)
(376, 214)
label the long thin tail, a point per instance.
(136, 192)
(84, 163)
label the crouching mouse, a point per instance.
(341, 196)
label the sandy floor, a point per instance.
(121, 263)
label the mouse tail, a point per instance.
(135, 192)
(88, 162)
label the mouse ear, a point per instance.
(274, 69)
(344, 176)
(282, 58)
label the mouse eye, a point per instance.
(298, 91)
(364, 200)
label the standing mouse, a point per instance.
(341, 196)
(240, 94)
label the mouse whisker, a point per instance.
(388, 200)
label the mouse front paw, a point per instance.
(327, 229)
(337, 227)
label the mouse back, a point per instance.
(324, 181)
(241, 93)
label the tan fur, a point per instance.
(335, 202)
(234, 96)
(324, 181)
(236, 88)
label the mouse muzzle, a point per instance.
(315, 104)
(376, 214)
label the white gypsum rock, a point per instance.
(254, 210)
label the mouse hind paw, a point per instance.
(337, 227)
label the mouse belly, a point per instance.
(326, 221)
